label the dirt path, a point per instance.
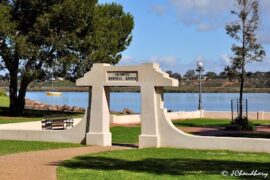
(41, 164)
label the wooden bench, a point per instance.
(56, 122)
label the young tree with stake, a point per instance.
(248, 48)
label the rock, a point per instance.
(76, 109)
(35, 105)
(127, 111)
(82, 110)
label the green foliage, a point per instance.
(190, 74)
(242, 123)
(211, 75)
(162, 163)
(248, 48)
(9, 147)
(59, 37)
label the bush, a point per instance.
(241, 124)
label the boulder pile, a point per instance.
(35, 105)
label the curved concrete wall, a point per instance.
(170, 136)
(73, 135)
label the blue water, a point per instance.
(173, 101)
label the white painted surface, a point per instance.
(149, 76)
(157, 127)
(31, 131)
(34, 125)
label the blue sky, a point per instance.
(176, 33)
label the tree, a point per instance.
(248, 48)
(63, 37)
(230, 72)
(211, 75)
(190, 74)
(222, 75)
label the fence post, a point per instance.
(237, 108)
(247, 108)
(232, 109)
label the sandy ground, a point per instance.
(41, 165)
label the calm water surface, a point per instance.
(173, 101)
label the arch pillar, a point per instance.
(150, 107)
(99, 126)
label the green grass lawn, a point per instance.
(125, 135)
(130, 135)
(163, 163)
(5, 118)
(10, 146)
(4, 101)
(8, 119)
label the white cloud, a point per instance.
(264, 36)
(204, 14)
(159, 9)
(164, 61)
(207, 15)
(175, 64)
(225, 58)
(263, 66)
(128, 60)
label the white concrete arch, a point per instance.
(157, 130)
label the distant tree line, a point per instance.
(227, 74)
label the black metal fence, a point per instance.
(235, 108)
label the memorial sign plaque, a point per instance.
(122, 76)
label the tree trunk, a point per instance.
(13, 87)
(241, 96)
(21, 98)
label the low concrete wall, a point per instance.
(125, 119)
(227, 115)
(185, 115)
(135, 118)
(72, 135)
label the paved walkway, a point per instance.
(42, 164)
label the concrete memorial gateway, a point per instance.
(157, 130)
(148, 77)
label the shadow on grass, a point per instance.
(4, 111)
(182, 166)
(221, 133)
(179, 124)
(126, 145)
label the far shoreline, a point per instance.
(166, 90)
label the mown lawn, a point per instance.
(130, 135)
(163, 163)
(4, 101)
(10, 146)
(125, 135)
